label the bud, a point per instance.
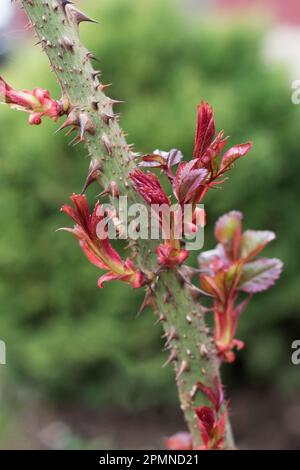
(149, 187)
(232, 268)
(37, 103)
(99, 251)
(170, 256)
(179, 441)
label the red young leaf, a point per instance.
(149, 187)
(188, 181)
(214, 394)
(233, 154)
(205, 129)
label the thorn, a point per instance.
(72, 120)
(135, 155)
(170, 335)
(78, 140)
(113, 102)
(203, 351)
(103, 87)
(167, 298)
(161, 319)
(95, 104)
(86, 125)
(169, 295)
(194, 391)
(184, 367)
(112, 189)
(148, 300)
(173, 357)
(68, 43)
(69, 131)
(64, 3)
(55, 6)
(106, 118)
(73, 141)
(181, 275)
(95, 74)
(77, 16)
(107, 144)
(93, 174)
(90, 55)
(188, 272)
(194, 291)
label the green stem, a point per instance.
(187, 336)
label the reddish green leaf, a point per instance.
(161, 159)
(254, 241)
(260, 275)
(228, 231)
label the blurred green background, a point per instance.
(69, 342)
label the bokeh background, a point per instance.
(81, 371)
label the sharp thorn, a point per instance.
(184, 367)
(173, 357)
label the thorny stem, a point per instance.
(191, 348)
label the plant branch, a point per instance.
(56, 24)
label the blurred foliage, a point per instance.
(66, 337)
